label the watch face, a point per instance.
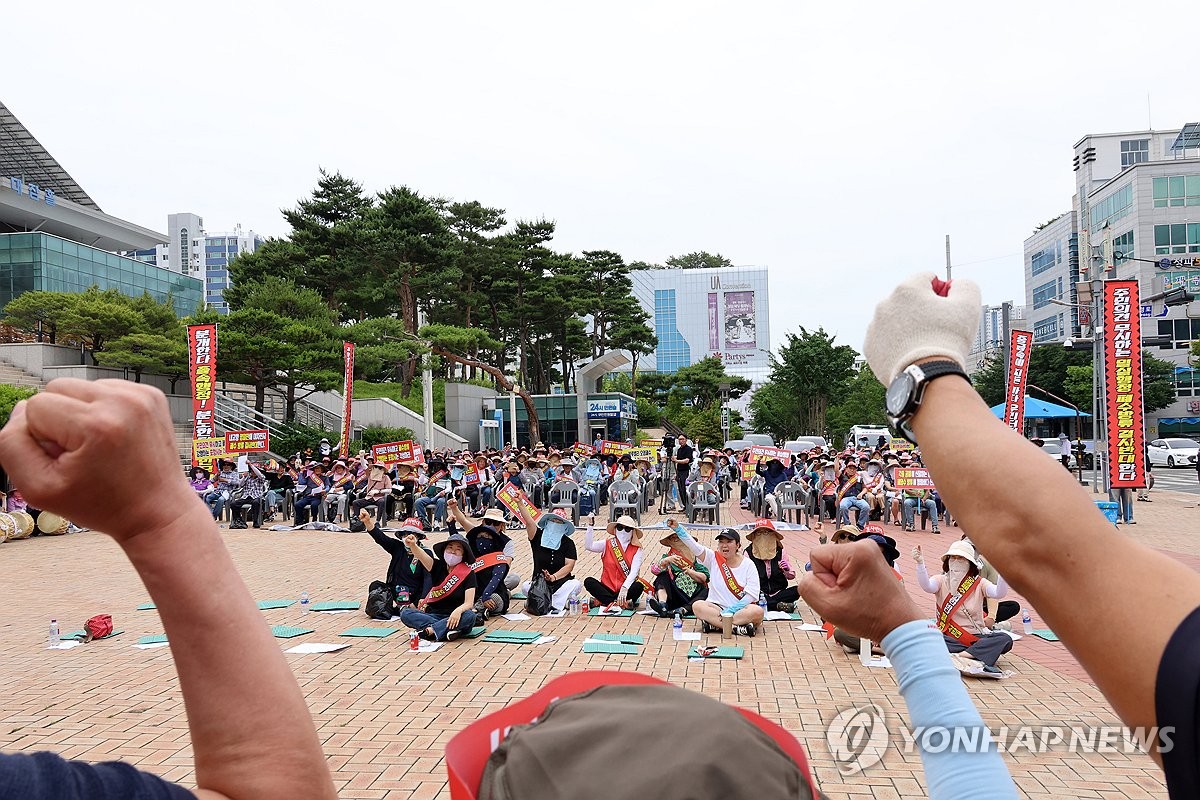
(899, 393)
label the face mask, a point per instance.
(872, 471)
(452, 559)
(958, 570)
(456, 473)
(829, 474)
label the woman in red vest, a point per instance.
(621, 558)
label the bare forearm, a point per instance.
(251, 731)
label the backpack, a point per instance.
(98, 627)
(380, 601)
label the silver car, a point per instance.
(1173, 452)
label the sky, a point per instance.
(836, 144)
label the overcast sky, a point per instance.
(835, 144)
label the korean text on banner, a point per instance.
(758, 451)
(348, 395)
(1123, 386)
(582, 449)
(471, 475)
(897, 445)
(608, 448)
(202, 366)
(1018, 378)
(514, 497)
(912, 478)
(252, 441)
(206, 452)
(655, 443)
(395, 452)
(641, 454)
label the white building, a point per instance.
(697, 313)
(192, 251)
(993, 334)
(1136, 195)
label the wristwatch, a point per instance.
(908, 389)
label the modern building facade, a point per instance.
(697, 313)
(195, 252)
(1135, 215)
(994, 330)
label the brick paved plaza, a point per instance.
(384, 715)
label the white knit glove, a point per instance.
(914, 323)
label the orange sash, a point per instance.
(614, 547)
(456, 576)
(490, 560)
(727, 575)
(968, 585)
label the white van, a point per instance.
(871, 434)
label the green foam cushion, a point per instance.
(595, 612)
(475, 633)
(287, 631)
(722, 652)
(371, 633)
(609, 647)
(625, 638)
(155, 639)
(1048, 635)
(263, 605)
(335, 605)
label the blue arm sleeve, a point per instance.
(738, 606)
(498, 573)
(936, 698)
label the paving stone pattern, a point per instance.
(384, 716)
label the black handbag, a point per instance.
(381, 601)
(539, 599)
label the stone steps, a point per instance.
(15, 376)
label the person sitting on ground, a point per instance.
(681, 579)
(376, 489)
(447, 609)
(848, 498)
(493, 557)
(239, 694)
(621, 557)
(774, 570)
(913, 499)
(310, 491)
(960, 590)
(734, 589)
(248, 495)
(407, 577)
(554, 555)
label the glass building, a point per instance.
(42, 262)
(559, 423)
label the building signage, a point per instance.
(912, 478)
(1176, 263)
(405, 452)
(1123, 386)
(202, 367)
(741, 332)
(348, 396)
(1018, 378)
(601, 409)
(1173, 280)
(252, 441)
(33, 191)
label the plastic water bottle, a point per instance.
(677, 627)
(864, 651)
(54, 640)
(1027, 622)
(762, 603)
(304, 602)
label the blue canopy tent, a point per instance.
(1041, 409)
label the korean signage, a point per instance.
(611, 408)
(33, 191)
(471, 475)
(348, 396)
(641, 454)
(582, 449)
(514, 497)
(202, 367)
(655, 443)
(405, 452)
(206, 452)
(254, 441)
(1018, 378)
(898, 445)
(608, 448)
(714, 329)
(758, 451)
(911, 478)
(1178, 263)
(1123, 385)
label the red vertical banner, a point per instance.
(1124, 412)
(1018, 378)
(202, 367)
(348, 394)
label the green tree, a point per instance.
(1048, 366)
(698, 260)
(704, 428)
(146, 352)
(701, 384)
(810, 372)
(39, 312)
(648, 414)
(382, 434)
(862, 404)
(97, 317)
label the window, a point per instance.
(1123, 248)
(673, 351)
(1112, 208)
(1181, 331)
(1187, 383)
(1046, 330)
(1046, 258)
(1178, 237)
(1177, 190)
(1042, 295)
(1134, 151)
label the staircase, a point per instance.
(15, 376)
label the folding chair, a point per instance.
(624, 496)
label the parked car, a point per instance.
(760, 439)
(737, 445)
(1051, 449)
(804, 443)
(1173, 452)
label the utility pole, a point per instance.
(426, 390)
(949, 276)
(1006, 337)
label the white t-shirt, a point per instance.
(745, 573)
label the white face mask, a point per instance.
(452, 559)
(872, 471)
(829, 474)
(958, 570)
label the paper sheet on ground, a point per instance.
(780, 616)
(151, 646)
(316, 647)
(545, 640)
(516, 617)
(808, 626)
(63, 645)
(425, 647)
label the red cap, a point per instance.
(764, 523)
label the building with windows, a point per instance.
(1135, 214)
(697, 313)
(994, 330)
(200, 254)
(54, 237)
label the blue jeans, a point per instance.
(439, 510)
(216, 503)
(864, 511)
(303, 504)
(1124, 500)
(910, 506)
(420, 620)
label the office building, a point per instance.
(697, 313)
(195, 252)
(993, 332)
(1137, 196)
(54, 237)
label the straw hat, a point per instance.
(962, 549)
(761, 546)
(628, 522)
(846, 533)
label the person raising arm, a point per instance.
(252, 736)
(1143, 659)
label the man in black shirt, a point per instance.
(684, 453)
(554, 555)
(446, 610)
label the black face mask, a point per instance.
(484, 543)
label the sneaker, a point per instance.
(427, 635)
(707, 628)
(452, 635)
(744, 630)
(658, 607)
(991, 670)
(786, 607)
